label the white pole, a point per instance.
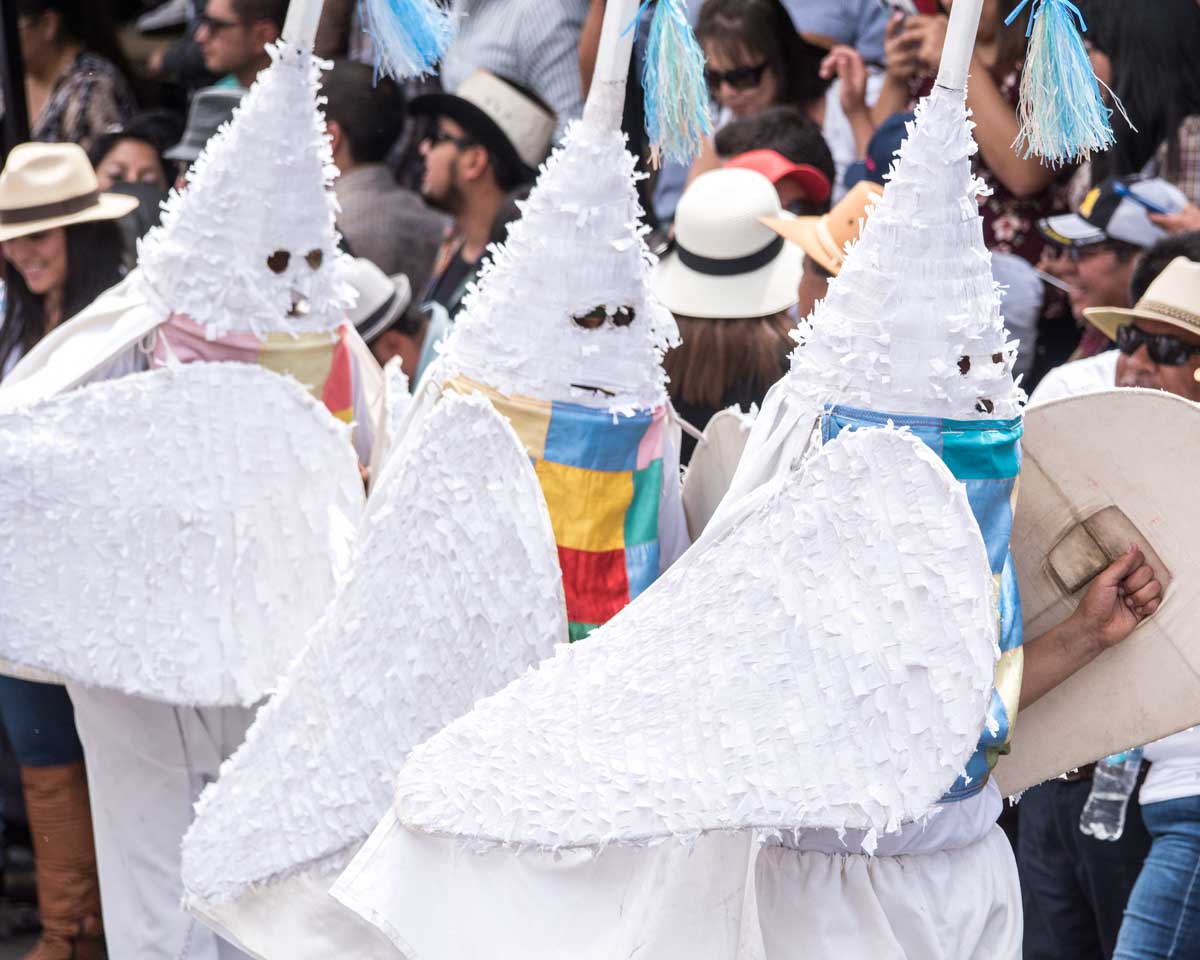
(960, 42)
(300, 28)
(606, 98)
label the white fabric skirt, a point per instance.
(727, 897)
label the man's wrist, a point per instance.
(1081, 639)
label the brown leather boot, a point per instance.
(60, 823)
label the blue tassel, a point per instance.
(409, 36)
(677, 115)
(1062, 117)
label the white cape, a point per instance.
(172, 534)
(454, 591)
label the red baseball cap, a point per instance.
(775, 167)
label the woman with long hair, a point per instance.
(731, 283)
(77, 79)
(1156, 76)
(755, 58)
(60, 250)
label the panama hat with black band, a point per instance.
(727, 263)
(500, 115)
(382, 299)
(48, 185)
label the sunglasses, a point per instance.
(1161, 348)
(1076, 254)
(739, 78)
(214, 24)
(440, 136)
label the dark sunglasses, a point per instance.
(441, 136)
(1161, 348)
(1086, 252)
(740, 78)
(214, 24)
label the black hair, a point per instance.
(161, 129)
(88, 23)
(250, 11)
(1154, 261)
(1156, 75)
(94, 263)
(509, 172)
(784, 129)
(508, 213)
(764, 29)
(371, 113)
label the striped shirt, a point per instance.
(534, 43)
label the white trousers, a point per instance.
(725, 898)
(147, 763)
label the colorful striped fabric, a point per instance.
(986, 456)
(602, 479)
(321, 361)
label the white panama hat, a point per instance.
(727, 263)
(381, 298)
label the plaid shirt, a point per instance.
(1186, 174)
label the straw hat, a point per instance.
(824, 238)
(1173, 297)
(726, 263)
(47, 185)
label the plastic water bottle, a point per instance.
(1113, 782)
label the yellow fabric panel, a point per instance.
(529, 418)
(587, 507)
(307, 357)
(1009, 671)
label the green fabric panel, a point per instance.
(641, 519)
(982, 449)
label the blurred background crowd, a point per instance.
(810, 99)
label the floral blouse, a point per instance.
(1009, 222)
(90, 98)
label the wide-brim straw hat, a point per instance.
(1173, 297)
(48, 185)
(824, 238)
(727, 263)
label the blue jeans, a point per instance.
(40, 723)
(1162, 918)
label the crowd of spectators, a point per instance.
(810, 101)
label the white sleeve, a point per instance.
(673, 538)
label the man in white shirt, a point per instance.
(1114, 368)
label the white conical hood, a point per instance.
(912, 322)
(260, 189)
(578, 246)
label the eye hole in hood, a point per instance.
(595, 318)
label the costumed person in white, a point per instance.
(535, 476)
(193, 520)
(783, 747)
